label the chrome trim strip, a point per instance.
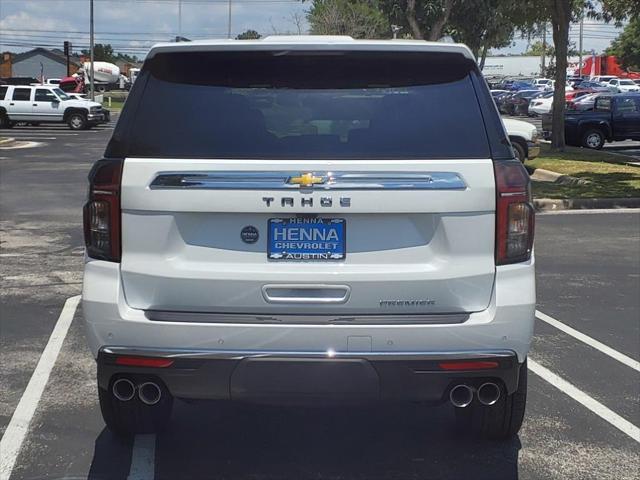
(293, 319)
(279, 180)
(297, 293)
(242, 354)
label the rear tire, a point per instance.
(133, 417)
(593, 138)
(520, 151)
(5, 122)
(500, 421)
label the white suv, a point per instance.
(623, 85)
(283, 220)
(47, 104)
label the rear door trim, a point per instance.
(290, 180)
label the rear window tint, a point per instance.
(293, 105)
(3, 92)
(21, 94)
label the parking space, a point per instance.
(584, 394)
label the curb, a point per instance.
(542, 175)
(546, 204)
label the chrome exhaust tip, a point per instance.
(123, 389)
(488, 393)
(149, 393)
(461, 396)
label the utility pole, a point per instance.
(91, 44)
(179, 18)
(580, 46)
(543, 62)
(229, 22)
(67, 53)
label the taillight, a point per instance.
(515, 218)
(102, 211)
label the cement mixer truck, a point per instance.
(107, 77)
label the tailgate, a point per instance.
(424, 243)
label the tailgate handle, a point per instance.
(308, 293)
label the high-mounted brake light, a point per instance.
(102, 211)
(515, 218)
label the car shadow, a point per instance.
(232, 441)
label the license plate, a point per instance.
(306, 239)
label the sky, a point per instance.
(131, 26)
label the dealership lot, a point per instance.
(584, 393)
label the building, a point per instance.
(37, 63)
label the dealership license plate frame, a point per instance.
(306, 256)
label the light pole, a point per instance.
(91, 40)
(179, 18)
(229, 22)
(580, 46)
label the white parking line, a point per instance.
(621, 357)
(143, 458)
(16, 432)
(578, 395)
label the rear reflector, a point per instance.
(469, 365)
(144, 362)
(514, 213)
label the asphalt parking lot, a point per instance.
(583, 410)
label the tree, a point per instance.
(105, 53)
(249, 35)
(101, 53)
(422, 19)
(627, 46)
(357, 18)
(483, 24)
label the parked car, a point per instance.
(589, 85)
(623, 85)
(518, 103)
(543, 83)
(576, 94)
(613, 118)
(541, 104)
(256, 257)
(584, 103)
(47, 104)
(523, 137)
(603, 80)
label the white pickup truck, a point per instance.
(37, 104)
(524, 138)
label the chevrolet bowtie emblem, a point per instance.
(307, 180)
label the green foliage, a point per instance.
(483, 24)
(357, 18)
(105, 53)
(627, 46)
(420, 18)
(249, 35)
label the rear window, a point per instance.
(21, 94)
(3, 91)
(294, 105)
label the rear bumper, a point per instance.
(386, 361)
(310, 377)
